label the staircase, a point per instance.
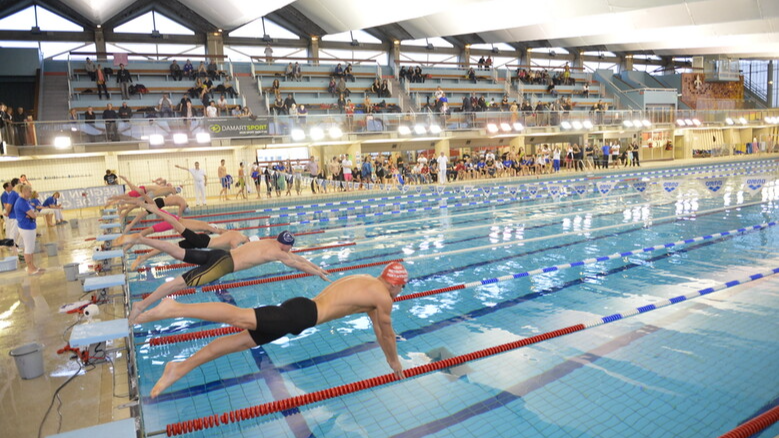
(252, 95)
(404, 100)
(54, 92)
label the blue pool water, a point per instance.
(698, 368)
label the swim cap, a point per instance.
(286, 238)
(186, 210)
(395, 274)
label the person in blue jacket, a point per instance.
(25, 218)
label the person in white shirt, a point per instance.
(443, 160)
(200, 180)
(346, 165)
(422, 159)
(211, 111)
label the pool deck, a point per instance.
(29, 313)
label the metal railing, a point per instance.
(490, 122)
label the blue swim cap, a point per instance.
(286, 238)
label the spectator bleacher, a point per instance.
(312, 92)
(156, 78)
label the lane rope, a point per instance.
(238, 415)
(462, 286)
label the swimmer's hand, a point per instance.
(397, 368)
(323, 275)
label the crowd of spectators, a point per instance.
(17, 127)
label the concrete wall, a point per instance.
(19, 61)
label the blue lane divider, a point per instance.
(584, 262)
(678, 299)
(672, 172)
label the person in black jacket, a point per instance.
(124, 80)
(110, 116)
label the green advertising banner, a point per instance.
(236, 127)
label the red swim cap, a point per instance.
(395, 274)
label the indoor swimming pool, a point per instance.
(490, 263)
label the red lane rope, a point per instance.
(187, 265)
(222, 286)
(338, 391)
(172, 339)
(755, 425)
(221, 221)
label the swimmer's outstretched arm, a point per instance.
(385, 335)
(302, 264)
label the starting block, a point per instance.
(109, 210)
(106, 256)
(102, 284)
(109, 217)
(115, 429)
(93, 337)
(110, 225)
(107, 240)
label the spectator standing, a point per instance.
(124, 79)
(443, 160)
(91, 69)
(312, 171)
(110, 117)
(125, 112)
(8, 199)
(25, 217)
(302, 113)
(109, 178)
(200, 180)
(224, 180)
(19, 120)
(175, 71)
(100, 79)
(346, 168)
(348, 75)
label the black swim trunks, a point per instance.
(193, 240)
(213, 266)
(291, 317)
(160, 202)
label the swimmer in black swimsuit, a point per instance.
(230, 239)
(215, 264)
(347, 296)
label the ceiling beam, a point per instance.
(391, 32)
(26, 35)
(296, 22)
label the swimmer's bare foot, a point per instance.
(128, 241)
(134, 313)
(164, 310)
(171, 374)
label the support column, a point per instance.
(626, 63)
(578, 59)
(215, 44)
(770, 85)
(465, 57)
(395, 55)
(313, 50)
(442, 146)
(100, 44)
(528, 58)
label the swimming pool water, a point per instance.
(698, 368)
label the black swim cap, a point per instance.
(286, 238)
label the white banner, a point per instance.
(578, 188)
(640, 186)
(671, 186)
(554, 190)
(754, 184)
(714, 185)
(605, 187)
(82, 198)
(532, 189)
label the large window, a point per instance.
(245, 53)
(261, 27)
(36, 16)
(151, 51)
(153, 21)
(331, 56)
